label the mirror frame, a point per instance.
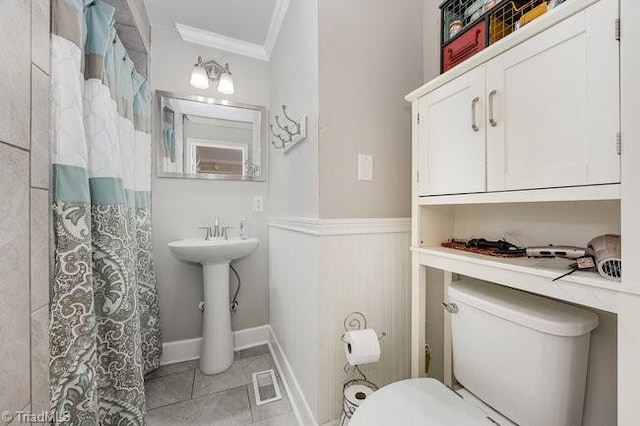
(159, 94)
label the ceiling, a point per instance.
(246, 20)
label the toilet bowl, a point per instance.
(502, 340)
(418, 402)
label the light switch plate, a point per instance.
(258, 203)
(365, 167)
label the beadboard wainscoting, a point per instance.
(320, 271)
(368, 273)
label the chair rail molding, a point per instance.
(332, 227)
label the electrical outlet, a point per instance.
(258, 203)
(365, 167)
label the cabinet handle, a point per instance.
(474, 126)
(492, 121)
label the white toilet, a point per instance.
(524, 356)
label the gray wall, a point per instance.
(24, 205)
(370, 58)
(293, 81)
(431, 39)
(181, 205)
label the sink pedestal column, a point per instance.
(216, 352)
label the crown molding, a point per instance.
(221, 42)
(237, 46)
(277, 19)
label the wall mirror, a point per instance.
(204, 138)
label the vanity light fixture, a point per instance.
(203, 71)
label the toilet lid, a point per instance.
(417, 402)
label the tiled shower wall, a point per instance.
(24, 205)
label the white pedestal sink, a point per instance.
(216, 352)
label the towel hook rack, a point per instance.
(291, 131)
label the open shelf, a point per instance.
(573, 193)
(528, 274)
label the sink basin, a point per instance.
(216, 349)
(214, 251)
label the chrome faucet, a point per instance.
(218, 231)
(209, 235)
(225, 234)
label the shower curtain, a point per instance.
(104, 325)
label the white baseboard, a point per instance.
(180, 351)
(301, 408)
(250, 337)
(187, 350)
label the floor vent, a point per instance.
(266, 387)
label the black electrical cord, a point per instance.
(573, 267)
(234, 301)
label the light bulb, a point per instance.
(226, 84)
(199, 78)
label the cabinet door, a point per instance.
(554, 104)
(451, 145)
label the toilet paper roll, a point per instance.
(357, 394)
(361, 347)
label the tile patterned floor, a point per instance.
(179, 394)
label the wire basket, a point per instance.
(457, 15)
(507, 17)
(496, 19)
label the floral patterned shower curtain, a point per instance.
(104, 328)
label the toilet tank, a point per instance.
(524, 355)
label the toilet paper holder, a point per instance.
(357, 321)
(352, 322)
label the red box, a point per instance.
(464, 46)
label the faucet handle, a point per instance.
(225, 235)
(208, 229)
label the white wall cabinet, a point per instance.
(453, 149)
(562, 93)
(554, 104)
(541, 114)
